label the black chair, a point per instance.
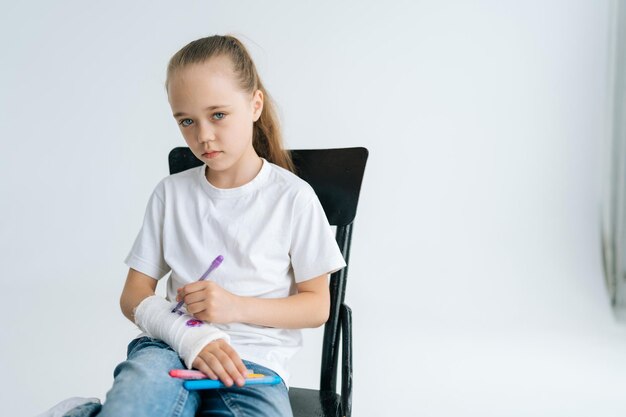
(336, 176)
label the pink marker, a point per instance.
(188, 374)
(193, 374)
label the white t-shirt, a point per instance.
(272, 233)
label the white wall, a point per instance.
(475, 276)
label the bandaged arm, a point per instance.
(185, 334)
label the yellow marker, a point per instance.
(255, 375)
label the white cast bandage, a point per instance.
(185, 334)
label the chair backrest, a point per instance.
(336, 176)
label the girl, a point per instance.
(243, 203)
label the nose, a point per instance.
(205, 132)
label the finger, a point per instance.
(194, 297)
(230, 367)
(217, 367)
(196, 286)
(221, 371)
(202, 366)
(234, 356)
(239, 367)
(195, 308)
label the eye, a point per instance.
(183, 124)
(219, 115)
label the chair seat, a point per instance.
(314, 403)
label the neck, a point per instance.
(239, 174)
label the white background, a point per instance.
(475, 278)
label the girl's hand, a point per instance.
(208, 301)
(220, 361)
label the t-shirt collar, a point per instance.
(248, 187)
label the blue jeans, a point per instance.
(143, 387)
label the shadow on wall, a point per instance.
(614, 178)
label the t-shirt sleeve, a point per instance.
(146, 254)
(314, 250)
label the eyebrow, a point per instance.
(219, 106)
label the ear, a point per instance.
(257, 104)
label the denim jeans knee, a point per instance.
(142, 385)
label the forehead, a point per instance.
(202, 85)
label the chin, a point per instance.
(217, 165)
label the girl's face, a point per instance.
(216, 117)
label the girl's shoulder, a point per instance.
(179, 181)
(188, 175)
(289, 181)
(285, 183)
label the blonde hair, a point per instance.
(267, 137)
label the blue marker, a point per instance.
(216, 262)
(195, 384)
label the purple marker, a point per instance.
(216, 262)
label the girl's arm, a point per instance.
(205, 349)
(138, 287)
(310, 307)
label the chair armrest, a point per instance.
(345, 315)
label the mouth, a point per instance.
(211, 155)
